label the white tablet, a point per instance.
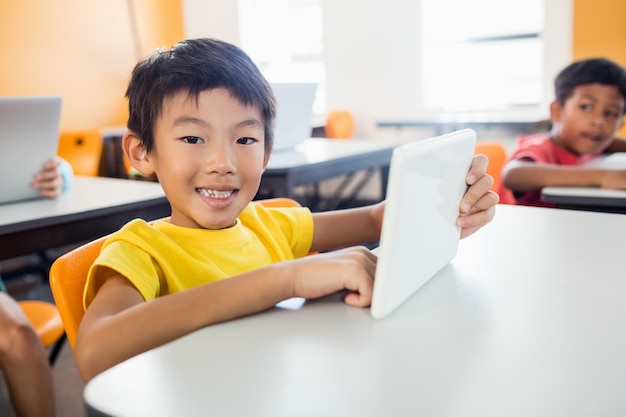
(419, 234)
(29, 135)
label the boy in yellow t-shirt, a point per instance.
(201, 119)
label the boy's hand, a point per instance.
(349, 269)
(49, 180)
(478, 204)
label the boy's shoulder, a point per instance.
(535, 139)
(541, 148)
(136, 227)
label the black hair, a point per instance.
(589, 71)
(194, 66)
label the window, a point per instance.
(482, 54)
(284, 38)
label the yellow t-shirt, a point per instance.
(162, 258)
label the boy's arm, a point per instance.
(119, 324)
(525, 175)
(341, 228)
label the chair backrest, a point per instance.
(68, 275)
(497, 154)
(45, 319)
(82, 149)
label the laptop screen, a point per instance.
(294, 113)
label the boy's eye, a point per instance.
(192, 139)
(246, 140)
(586, 107)
(612, 114)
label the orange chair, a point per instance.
(46, 321)
(82, 149)
(339, 124)
(68, 275)
(497, 154)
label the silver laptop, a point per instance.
(419, 235)
(29, 135)
(294, 114)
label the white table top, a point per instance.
(87, 194)
(584, 192)
(94, 207)
(528, 320)
(318, 150)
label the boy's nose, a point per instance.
(221, 160)
(598, 119)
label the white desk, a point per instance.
(586, 198)
(493, 334)
(318, 159)
(591, 198)
(93, 207)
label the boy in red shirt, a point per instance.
(588, 110)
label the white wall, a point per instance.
(211, 18)
(372, 52)
(372, 59)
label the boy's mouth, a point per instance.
(220, 195)
(594, 138)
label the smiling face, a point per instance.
(589, 119)
(208, 155)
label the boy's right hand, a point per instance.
(349, 269)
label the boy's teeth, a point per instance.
(215, 194)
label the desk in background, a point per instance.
(488, 336)
(591, 198)
(93, 207)
(448, 122)
(586, 198)
(319, 159)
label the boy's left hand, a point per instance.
(49, 180)
(478, 205)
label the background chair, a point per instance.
(339, 124)
(82, 149)
(68, 275)
(497, 154)
(47, 323)
(114, 163)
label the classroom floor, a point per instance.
(68, 386)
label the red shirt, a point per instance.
(539, 148)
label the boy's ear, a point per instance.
(555, 111)
(136, 153)
(266, 160)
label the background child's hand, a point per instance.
(49, 180)
(478, 204)
(323, 274)
(614, 179)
